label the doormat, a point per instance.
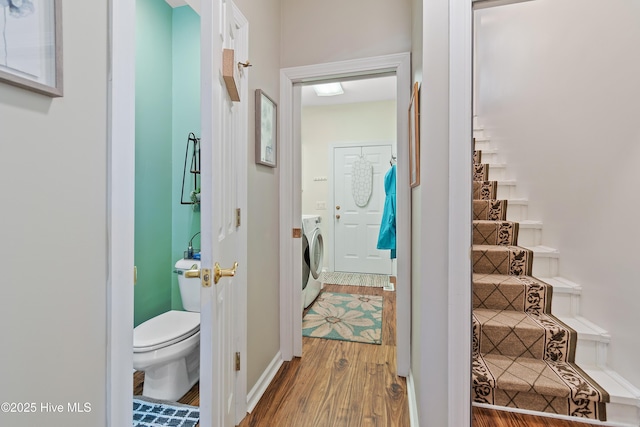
(354, 279)
(151, 413)
(345, 317)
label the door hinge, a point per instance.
(238, 217)
(297, 233)
(237, 361)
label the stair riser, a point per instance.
(517, 212)
(623, 414)
(490, 157)
(496, 173)
(544, 266)
(590, 352)
(529, 236)
(483, 144)
(506, 191)
(564, 304)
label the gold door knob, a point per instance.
(223, 272)
(338, 207)
(337, 216)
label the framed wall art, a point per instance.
(414, 136)
(266, 130)
(31, 45)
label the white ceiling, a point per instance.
(366, 90)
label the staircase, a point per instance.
(524, 356)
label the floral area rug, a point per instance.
(345, 317)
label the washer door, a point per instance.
(316, 253)
(305, 261)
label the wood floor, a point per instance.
(346, 384)
(338, 383)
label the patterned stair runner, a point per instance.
(523, 355)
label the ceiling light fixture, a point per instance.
(328, 89)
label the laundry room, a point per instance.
(336, 130)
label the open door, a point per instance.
(223, 195)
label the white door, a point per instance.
(357, 224)
(223, 192)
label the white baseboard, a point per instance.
(263, 382)
(413, 404)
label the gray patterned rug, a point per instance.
(354, 279)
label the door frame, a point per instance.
(290, 194)
(121, 204)
(331, 193)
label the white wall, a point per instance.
(263, 323)
(53, 247)
(558, 90)
(332, 30)
(345, 123)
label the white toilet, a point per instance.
(167, 347)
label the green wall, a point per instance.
(152, 293)
(186, 118)
(167, 109)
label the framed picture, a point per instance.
(31, 45)
(266, 130)
(414, 137)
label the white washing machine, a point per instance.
(312, 257)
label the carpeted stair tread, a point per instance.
(518, 334)
(477, 156)
(485, 190)
(493, 210)
(509, 260)
(480, 172)
(528, 383)
(504, 292)
(522, 354)
(488, 232)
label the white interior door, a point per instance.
(356, 227)
(223, 192)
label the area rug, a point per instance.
(345, 317)
(151, 413)
(354, 279)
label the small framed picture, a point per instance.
(414, 137)
(266, 130)
(31, 45)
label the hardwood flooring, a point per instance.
(338, 383)
(191, 398)
(347, 384)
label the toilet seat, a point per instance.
(164, 330)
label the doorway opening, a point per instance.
(348, 146)
(291, 198)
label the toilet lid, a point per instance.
(165, 329)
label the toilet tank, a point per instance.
(189, 287)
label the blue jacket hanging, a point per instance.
(387, 235)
